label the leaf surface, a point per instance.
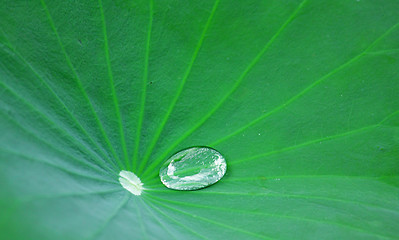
(301, 97)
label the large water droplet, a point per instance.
(193, 168)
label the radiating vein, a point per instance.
(69, 195)
(380, 52)
(308, 88)
(388, 117)
(79, 82)
(177, 222)
(124, 201)
(141, 220)
(310, 142)
(233, 89)
(144, 89)
(267, 214)
(157, 219)
(328, 138)
(84, 163)
(51, 90)
(307, 143)
(51, 123)
(211, 221)
(268, 177)
(283, 195)
(179, 91)
(29, 158)
(112, 85)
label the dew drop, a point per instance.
(193, 168)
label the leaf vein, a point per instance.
(307, 89)
(144, 90)
(273, 215)
(17, 154)
(13, 49)
(181, 87)
(177, 222)
(211, 221)
(112, 85)
(112, 216)
(51, 123)
(235, 86)
(79, 82)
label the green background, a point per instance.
(301, 97)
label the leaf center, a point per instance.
(131, 182)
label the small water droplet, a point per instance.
(193, 168)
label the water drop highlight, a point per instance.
(193, 168)
(130, 182)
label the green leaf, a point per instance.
(301, 97)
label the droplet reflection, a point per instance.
(193, 168)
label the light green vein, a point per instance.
(177, 222)
(211, 221)
(381, 52)
(179, 91)
(307, 89)
(55, 126)
(157, 219)
(272, 177)
(141, 220)
(152, 180)
(51, 90)
(388, 117)
(69, 195)
(112, 85)
(79, 82)
(267, 177)
(233, 89)
(283, 195)
(286, 149)
(328, 138)
(267, 214)
(32, 159)
(144, 89)
(84, 163)
(111, 217)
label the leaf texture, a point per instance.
(301, 97)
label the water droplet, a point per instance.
(131, 182)
(193, 168)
